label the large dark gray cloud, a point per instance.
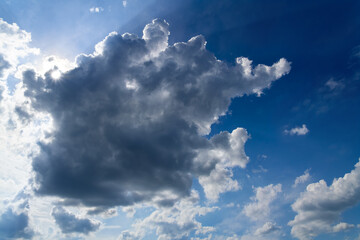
(69, 223)
(14, 225)
(130, 118)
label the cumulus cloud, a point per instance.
(320, 205)
(302, 179)
(69, 223)
(267, 228)
(229, 149)
(16, 140)
(259, 208)
(176, 222)
(342, 227)
(14, 45)
(129, 120)
(303, 130)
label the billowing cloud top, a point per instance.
(130, 118)
(320, 206)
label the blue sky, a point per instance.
(167, 133)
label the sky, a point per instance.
(199, 120)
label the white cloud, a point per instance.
(229, 152)
(320, 205)
(124, 3)
(259, 208)
(267, 228)
(342, 227)
(14, 45)
(96, 9)
(334, 85)
(261, 169)
(18, 137)
(175, 222)
(303, 130)
(302, 179)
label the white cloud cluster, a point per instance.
(320, 206)
(231, 155)
(17, 137)
(259, 209)
(303, 130)
(343, 227)
(14, 45)
(303, 178)
(176, 222)
(267, 228)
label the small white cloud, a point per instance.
(230, 205)
(261, 169)
(303, 130)
(96, 9)
(342, 227)
(334, 85)
(267, 228)
(303, 178)
(260, 207)
(124, 3)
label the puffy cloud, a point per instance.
(320, 205)
(176, 222)
(259, 209)
(14, 225)
(229, 149)
(69, 223)
(129, 120)
(14, 45)
(303, 178)
(267, 228)
(16, 140)
(342, 227)
(303, 130)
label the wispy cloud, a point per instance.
(96, 9)
(303, 178)
(303, 130)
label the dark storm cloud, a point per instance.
(14, 225)
(130, 118)
(69, 223)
